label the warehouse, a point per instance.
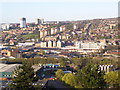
(6, 70)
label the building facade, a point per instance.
(23, 23)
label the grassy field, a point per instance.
(30, 36)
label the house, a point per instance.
(10, 53)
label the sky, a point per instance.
(56, 10)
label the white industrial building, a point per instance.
(26, 44)
(89, 45)
(85, 47)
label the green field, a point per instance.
(30, 36)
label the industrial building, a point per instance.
(6, 70)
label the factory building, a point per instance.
(6, 70)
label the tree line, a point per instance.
(77, 62)
(90, 77)
(88, 73)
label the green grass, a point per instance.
(30, 36)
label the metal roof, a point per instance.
(8, 67)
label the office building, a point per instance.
(38, 21)
(22, 22)
(42, 21)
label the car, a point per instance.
(52, 78)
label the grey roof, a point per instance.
(8, 67)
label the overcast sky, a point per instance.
(57, 10)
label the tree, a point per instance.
(69, 79)
(91, 77)
(77, 67)
(59, 74)
(63, 62)
(69, 26)
(81, 62)
(111, 78)
(24, 77)
(42, 52)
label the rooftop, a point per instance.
(8, 67)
